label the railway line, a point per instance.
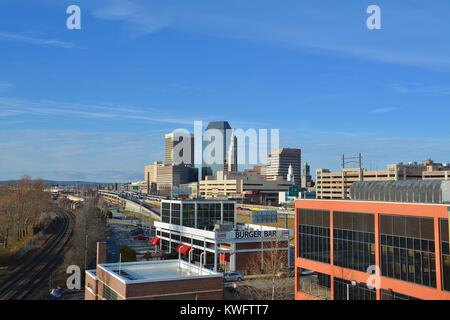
(25, 280)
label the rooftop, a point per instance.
(198, 201)
(410, 191)
(155, 271)
(220, 125)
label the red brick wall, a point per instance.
(163, 288)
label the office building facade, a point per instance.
(209, 229)
(336, 185)
(345, 242)
(244, 186)
(185, 156)
(278, 163)
(225, 151)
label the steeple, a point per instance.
(290, 175)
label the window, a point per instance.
(407, 249)
(208, 214)
(354, 240)
(445, 248)
(175, 214)
(165, 246)
(314, 235)
(316, 284)
(391, 295)
(108, 293)
(165, 212)
(228, 213)
(189, 215)
(346, 290)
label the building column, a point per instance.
(215, 256)
(262, 256)
(204, 248)
(233, 257)
(181, 214)
(437, 252)
(195, 213)
(376, 217)
(331, 256)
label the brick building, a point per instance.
(151, 280)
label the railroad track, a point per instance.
(32, 274)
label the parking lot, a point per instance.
(119, 236)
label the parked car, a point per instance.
(140, 237)
(136, 231)
(287, 273)
(305, 272)
(233, 276)
(56, 294)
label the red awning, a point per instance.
(183, 249)
(155, 241)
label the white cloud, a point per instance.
(69, 154)
(382, 110)
(303, 27)
(141, 21)
(35, 40)
(420, 88)
(5, 86)
(18, 107)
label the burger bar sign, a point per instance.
(252, 235)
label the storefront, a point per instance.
(235, 250)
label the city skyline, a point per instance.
(95, 104)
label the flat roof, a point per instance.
(198, 200)
(155, 271)
(375, 201)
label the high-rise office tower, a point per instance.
(224, 153)
(185, 155)
(306, 179)
(278, 163)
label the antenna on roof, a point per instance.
(120, 264)
(355, 160)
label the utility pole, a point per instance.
(354, 160)
(85, 251)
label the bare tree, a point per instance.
(22, 206)
(269, 276)
(90, 228)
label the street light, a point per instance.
(353, 283)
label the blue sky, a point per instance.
(94, 104)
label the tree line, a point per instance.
(23, 208)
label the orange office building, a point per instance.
(390, 242)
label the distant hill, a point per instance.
(64, 183)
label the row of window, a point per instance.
(445, 254)
(208, 214)
(407, 249)
(408, 265)
(314, 244)
(319, 285)
(346, 290)
(354, 240)
(407, 244)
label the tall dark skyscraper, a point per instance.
(228, 148)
